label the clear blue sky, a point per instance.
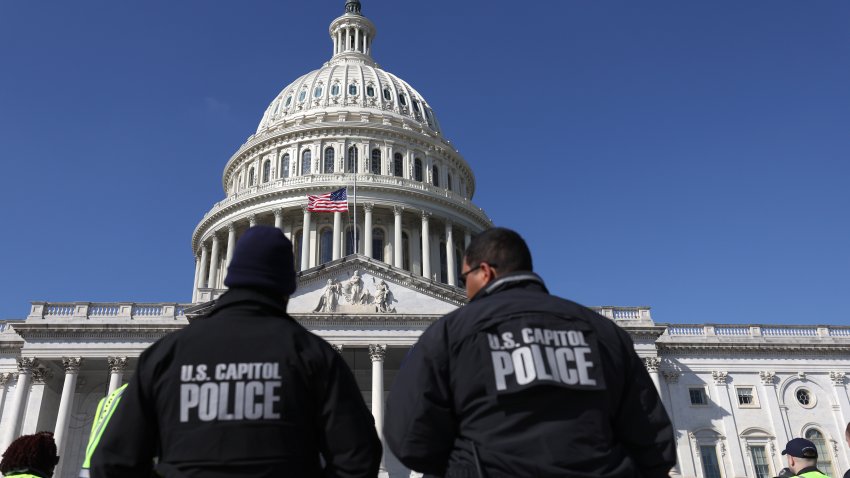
(690, 156)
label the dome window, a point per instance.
(284, 166)
(435, 175)
(302, 95)
(449, 182)
(288, 101)
(417, 169)
(402, 99)
(376, 161)
(329, 160)
(351, 162)
(267, 171)
(335, 89)
(387, 95)
(352, 89)
(416, 106)
(251, 177)
(276, 107)
(306, 162)
(317, 92)
(370, 91)
(398, 165)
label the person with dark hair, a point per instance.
(520, 383)
(244, 391)
(30, 456)
(802, 457)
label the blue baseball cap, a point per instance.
(800, 448)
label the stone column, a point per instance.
(377, 353)
(195, 281)
(450, 255)
(202, 277)
(367, 229)
(66, 403)
(116, 372)
(34, 407)
(416, 254)
(841, 397)
(426, 246)
(25, 367)
(305, 241)
(337, 253)
(214, 263)
(278, 218)
(397, 247)
(467, 238)
(652, 364)
(730, 427)
(231, 245)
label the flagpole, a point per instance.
(355, 209)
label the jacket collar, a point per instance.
(511, 280)
(239, 296)
(808, 469)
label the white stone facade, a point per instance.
(735, 393)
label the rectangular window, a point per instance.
(698, 396)
(710, 467)
(746, 397)
(760, 462)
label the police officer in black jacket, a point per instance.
(245, 391)
(520, 383)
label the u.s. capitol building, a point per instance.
(371, 281)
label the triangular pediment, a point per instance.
(358, 285)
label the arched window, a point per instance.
(405, 251)
(449, 181)
(349, 240)
(284, 166)
(824, 453)
(435, 175)
(306, 162)
(239, 182)
(351, 161)
(329, 160)
(267, 171)
(251, 177)
(370, 91)
(288, 101)
(378, 244)
(417, 169)
(402, 99)
(352, 89)
(444, 270)
(398, 165)
(326, 244)
(302, 95)
(317, 92)
(376, 161)
(387, 95)
(335, 89)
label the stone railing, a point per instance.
(105, 310)
(779, 331)
(342, 179)
(624, 313)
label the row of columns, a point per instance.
(29, 372)
(345, 36)
(210, 270)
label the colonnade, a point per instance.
(352, 38)
(31, 378)
(436, 261)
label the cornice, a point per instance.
(124, 332)
(368, 322)
(646, 331)
(743, 348)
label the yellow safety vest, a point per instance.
(105, 409)
(813, 474)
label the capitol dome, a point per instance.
(347, 125)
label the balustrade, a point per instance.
(107, 310)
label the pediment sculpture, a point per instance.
(352, 295)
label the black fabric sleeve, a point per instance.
(420, 425)
(128, 444)
(348, 440)
(641, 424)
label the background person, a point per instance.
(802, 458)
(520, 383)
(30, 456)
(245, 391)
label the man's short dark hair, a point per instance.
(502, 248)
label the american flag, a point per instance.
(336, 201)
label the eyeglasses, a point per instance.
(462, 278)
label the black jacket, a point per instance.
(531, 384)
(245, 391)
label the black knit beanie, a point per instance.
(262, 260)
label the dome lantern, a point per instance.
(352, 33)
